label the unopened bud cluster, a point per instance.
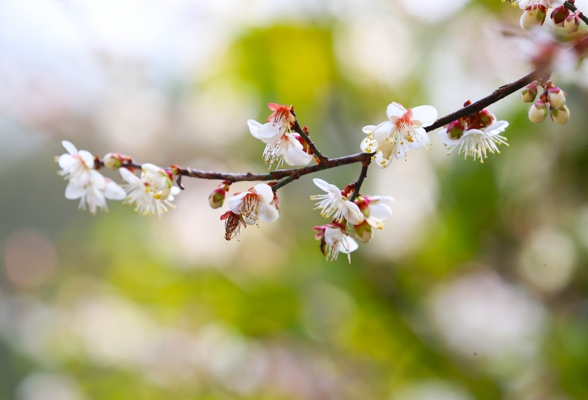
(566, 19)
(552, 101)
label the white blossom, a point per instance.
(403, 131)
(151, 194)
(477, 143)
(257, 202)
(334, 203)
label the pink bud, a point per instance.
(529, 93)
(559, 14)
(571, 23)
(217, 198)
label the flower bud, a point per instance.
(363, 232)
(559, 14)
(537, 112)
(217, 198)
(571, 23)
(556, 97)
(533, 16)
(486, 118)
(455, 129)
(115, 160)
(529, 93)
(560, 116)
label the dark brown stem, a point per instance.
(359, 182)
(573, 8)
(298, 129)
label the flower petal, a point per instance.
(295, 155)
(395, 110)
(73, 191)
(347, 245)
(268, 213)
(265, 192)
(444, 137)
(128, 176)
(383, 130)
(427, 115)
(253, 127)
(368, 129)
(236, 201)
(71, 149)
(87, 158)
(380, 211)
(352, 213)
(114, 192)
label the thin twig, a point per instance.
(298, 129)
(573, 8)
(359, 182)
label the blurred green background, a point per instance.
(476, 288)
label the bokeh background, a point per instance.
(476, 288)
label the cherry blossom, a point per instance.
(282, 145)
(74, 163)
(403, 131)
(334, 240)
(336, 204)
(476, 143)
(93, 189)
(152, 193)
(258, 201)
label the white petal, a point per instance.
(253, 127)
(368, 129)
(270, 132)
(395, 110)
(383, 130)
(87, 158)
(381, 199)
(114, 192)
(71, 149)
(381, 161)
(295, 155)
(426, 114)
(66, 160)
(333, 235)
(97, 180)
(151, 169)
(422, 138)
(265, 192)
(444, 137)
(348, 245)
(73, 192)
(352, 213)
(128, 176)
(236, 201)
(327, 187)
(496, 128)
(268, 213)
(380, 211)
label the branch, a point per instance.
(573, 8)
(321, 158)
(359, 182)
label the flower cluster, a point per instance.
(474, 135)
(85, 183)
(403, 131)
(282, 143)
(151, 194)
(361, 216)
(552, 101)
(566, 19)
